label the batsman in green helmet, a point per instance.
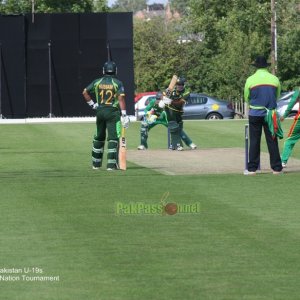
(174, 104)
(155, 115)
(110, 114)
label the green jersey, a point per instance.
(106, 89)
(179, 99)
(153, 106)
(262, 89)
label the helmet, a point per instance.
(180, 84)
(158, 95)
(110, 68)
(180, 81)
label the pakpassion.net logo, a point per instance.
(162, 208)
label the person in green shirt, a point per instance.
(294, 132)
(155, 115)
(262, 89)
(110, 114)
(174, 110)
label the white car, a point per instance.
(283, 103)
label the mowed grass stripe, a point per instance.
(56, 213)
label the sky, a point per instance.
(110, 2)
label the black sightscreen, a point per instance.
(47, 64)
(12, 52)
(38, 36)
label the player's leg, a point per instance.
(272, 143)
(293, 137)
(113, 134)
(99, 141)
(163, 120)
(175, 135)
(174, 129)
(255, 131)
(145, 129)
(144, 136)
(186, 139)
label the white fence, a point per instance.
(241, 109)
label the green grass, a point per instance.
(58, 215)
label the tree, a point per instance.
(288, 14)
(129, 5)
(156, 56)
(234, 32)
(51, 6)
(15, 6)
(100, 6)
(47, 6)
(181, 6)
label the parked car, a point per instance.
(198, 106)
(202, 106)
(283, 103)
(140, 95)
(141, 104)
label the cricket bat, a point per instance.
(122, 151)
(171, 85)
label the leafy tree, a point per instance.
(129, 5)
(49, 6)
(156, 54)
(181, 6)
(100, 6)
(15, 6)
(234, 31)
(288, 43)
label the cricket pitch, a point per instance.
(201, 161)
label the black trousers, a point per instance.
(255, 131)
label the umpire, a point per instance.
(262, 90)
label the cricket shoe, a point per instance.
(96, 168)
(284, 164)
(250, 173)
(193, 146)
(179, 148)
(111, 169)
(278, 172)
(141, 147)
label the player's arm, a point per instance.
(124, 118)
(149, 106)
(122, 103)
(87, 96)
(294, 99)
(181, 101)
(186, 95)
(120, 93)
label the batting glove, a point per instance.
(125, 120)
(161, 104)
(168, 92)
(166, 100)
